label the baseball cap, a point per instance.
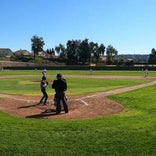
(59, 75)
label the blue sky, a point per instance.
(127, 25)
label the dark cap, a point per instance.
(59, 75)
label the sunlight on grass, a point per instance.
(76, 86)
(131, 112)
(27, 82)
(131, 132)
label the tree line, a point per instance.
(76, 51)
(82, 51)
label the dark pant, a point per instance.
(61, 97)
(44, 97)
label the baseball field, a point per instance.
(111, 113)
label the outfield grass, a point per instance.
(76, 86)
(78, 72)
(30, 83)
(130, 133)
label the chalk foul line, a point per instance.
(117, 91)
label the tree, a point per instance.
(51, 52)
(78, 51)
(37, 44)
(92, 51)
(110, 52)
(102, 49)
(152, 57)
(60, 49)
(73, 51)
(121, 60)
(85, 54)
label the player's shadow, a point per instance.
(28, 106)
(46, 113)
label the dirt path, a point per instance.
(90, 106)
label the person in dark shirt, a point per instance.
(60, 86)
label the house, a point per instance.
(43, 54)
(5, 52)
(22, 52)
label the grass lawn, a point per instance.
(133, 132)
(130, 133)
(76, 86)
(29, 84)
(78, 72)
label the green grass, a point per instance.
(77, 72)
(130, 133)
(27, 81)
(81, 86)
(76, 86)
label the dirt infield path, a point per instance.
(90, 106)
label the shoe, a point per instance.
(57, 113)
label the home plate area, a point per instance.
(79, 107)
